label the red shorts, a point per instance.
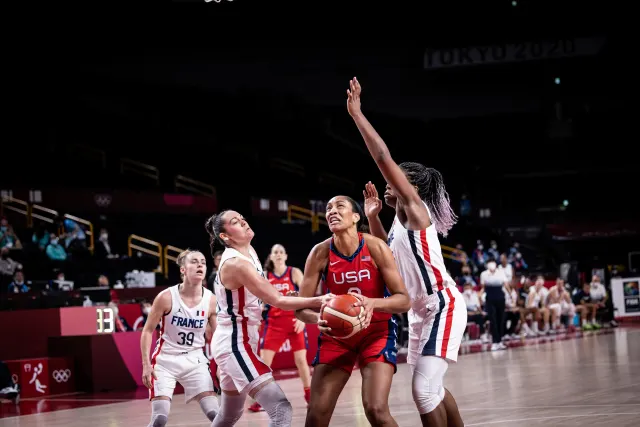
(276, 331)
(377, 343)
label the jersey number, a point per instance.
(187, 339)
(355, 290)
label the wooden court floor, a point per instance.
(592, 381)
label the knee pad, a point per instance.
(159, 412)
(210, 407)
(231, 409)
(427, 385)
(276, 405)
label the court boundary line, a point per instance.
(551, 418)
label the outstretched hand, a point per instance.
(353, 97)
(372, 204)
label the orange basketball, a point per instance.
(343, 319)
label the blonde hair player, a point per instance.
(240, 286)
(183, 311)
(438, 314)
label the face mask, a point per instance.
(494, 246)
(54, 241)
(146, 310)
(467, 292)
(491, 266)
(480, 247)
(518, 256)
(104, 236)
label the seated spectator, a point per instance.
(8, 266)
(103, 247)
(559, 303)
(599, 297)
(18, 285)
(145, 308)
(466, 277)
(506, 268)
(512, 311)
(8, 238)
(55, 251)
(493, 250)
(474, 309)
(103, 281)
(479, 257)
(75, 237)
(586, 308)
(520, 266)
(121, 324)
(40, 238)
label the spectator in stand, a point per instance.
(520, 266)
(480, 257)
(55, 251)
(493, 250)
(506, 268)
(8, 238)
(513, 250)
(525, 310)
(7, 265)
(586, 308)
(40, 238)
(466, 277)
(493, 281)
(103, 281)
(18, 285)
(474, 309)
(103, 247)
(460, 259)
(145, 309)
(121, 324)
(75, 237)
(214, 270)
(538, 299)
(512, 311)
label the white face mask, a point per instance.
(467, 292)
(491, 266)
(146, 310)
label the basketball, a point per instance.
(342, 317)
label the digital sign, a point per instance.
(106, 320)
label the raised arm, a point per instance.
(313, 268)
(238, 272)
(372, 207)
(407, 194)
(161, 306)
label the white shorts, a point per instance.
(436, 326)
(563, 308)
(191, 370)
(237, 357)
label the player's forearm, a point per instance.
(395, 304)
(376, 228)
(307, 316)
(145, 347)
(375, 143)
(297, 303)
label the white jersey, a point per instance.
(238, 306)
(419, 259)
(182, 330)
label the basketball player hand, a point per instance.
(147, 373)
(353, 97)
(372, 204)
(298, 326)
(368, 304)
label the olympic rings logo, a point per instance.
(61, 376)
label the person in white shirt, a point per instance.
(538, 299)
(506, 268)
(474, 308)
(598, 295)
(512, 311)
(559, 303)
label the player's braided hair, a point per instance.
(214, 227)
(431, 189)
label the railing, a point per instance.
(305, 215)
(43, 214)
(153, 252)
(16, 205)
(89, 232)
(194, 186)
(168, 258)
(152, 172)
